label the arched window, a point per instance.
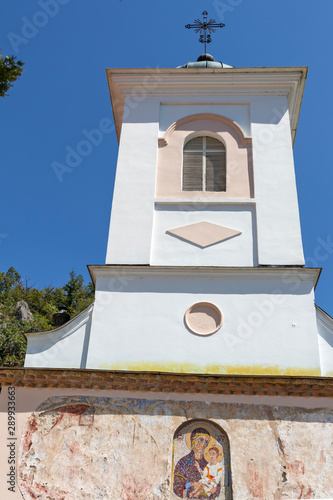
(204, 165)
(201, 462)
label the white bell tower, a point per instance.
(204, 270)
(253, 113)
(204, 331)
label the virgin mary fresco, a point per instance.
(201, 473)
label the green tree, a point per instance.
(10, 71)
(12, 344)
(43, 304)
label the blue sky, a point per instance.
(48, 227)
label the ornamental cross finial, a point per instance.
(203, 26)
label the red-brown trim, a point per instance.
(167, 382)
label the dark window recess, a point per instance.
(204, 165)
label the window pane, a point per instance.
(214, 144)
(192, 171)
(194, 144)
(215, 171)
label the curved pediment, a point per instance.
(226, 123)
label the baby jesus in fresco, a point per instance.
(212, 473)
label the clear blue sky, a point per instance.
(47, 227)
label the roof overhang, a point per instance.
(183, 81)
(291, 274)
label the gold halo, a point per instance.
(203, 426)
(206, 452)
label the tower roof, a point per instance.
(206, 61)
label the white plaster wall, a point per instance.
(172, 251)
(325, 340)
(279, 233)
(266, 117)
(132, 207)
(65, 347)
(268, 328)
(240, 112)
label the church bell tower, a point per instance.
(205, 270)
(204, 368)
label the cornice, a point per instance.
(205, 201)
(166, 77)
(184, 81)
(212, 273)
(65, 330)
(324, 318)
(38, 378)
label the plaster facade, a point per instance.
(238, 157)
(237, 112)
(263, 105)
(325, 341)
(167, 250)
(269, 321)
(277, 302)
(74, 444)
(63, 347)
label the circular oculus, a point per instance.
(203, 318)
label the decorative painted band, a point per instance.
(167, 382)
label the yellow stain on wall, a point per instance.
(214, 369)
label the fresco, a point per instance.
(201, 462)
(75, 447)
(91, 448)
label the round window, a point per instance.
(203, 318)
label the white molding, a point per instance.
(215, 82)
(287, 274)
(324, 318)
(203, 201)
(205, 103)
(63, 331)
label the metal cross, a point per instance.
(203, 26)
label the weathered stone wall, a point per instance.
(78, 447)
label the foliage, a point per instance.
(10, 70)
(42, 303)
